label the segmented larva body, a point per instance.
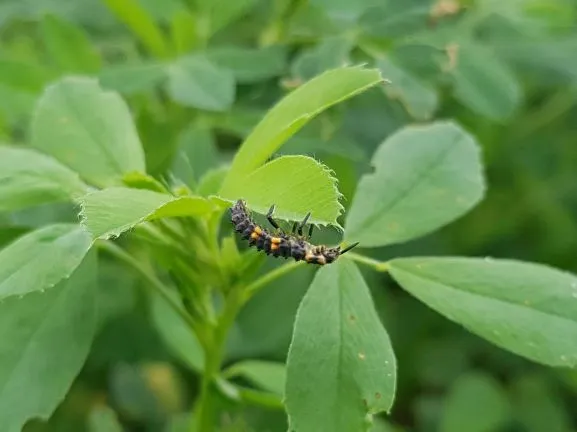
(281, 244)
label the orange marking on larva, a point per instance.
(276, 240)
(273, 246)
(258, 230)
(254, 235)
(321, 260)
(309, 257)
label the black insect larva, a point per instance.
(281, 244)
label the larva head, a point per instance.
(331, 254)
(344, 251)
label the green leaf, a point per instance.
(425, 177)
(142, 24)
(341, 367)
(183, 30)
(250, 65)
(15, 104)
(177, 335)
(484, 84)
(197, 152)
(381, 425)
(419, 99)
(312, 22)
(470, 394)
(132, 79)
(110, 212)
(181, 171)
(263, 374)
(88, 129)
(231, 257)
(344, 11)
(330, 53)
(253, 335)
(9, 233)
(103, 419)
(396, 19)
(297, 185)
(29, 178)
(196, 82)
(216, 14)
(528, 309)
(547, 57)
(118, 293)
(344, 169)
(211, 181)
(69, 46)
(25, 76)
(538, 404)
(39, 260)
(327, 139)
(292, 113)
(138, 180)
(46, 338)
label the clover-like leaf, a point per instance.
(425, 177)
(470, 393)
(292, 113)
(266, 375)
(29, 178)
(341, 367)
(483, 83)
(88, 129)
(296, 185)
(46, 337)
(419, 99)
(110, 212)
(196, 82)
(40, 259)
(528, 309)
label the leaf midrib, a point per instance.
(41, 252)
(29, 341)
(369, 221)
(96, 139)
(483, 296)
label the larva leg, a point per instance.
(270, 219)
(303, 223)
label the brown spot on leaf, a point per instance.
(452, 51)
(443, 8)
(290, 84)
(352, 318)
(378, 395)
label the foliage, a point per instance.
(421, 129)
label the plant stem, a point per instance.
(380, 266)
(269, 277)
(203, 420)
(152, 281)
(556, 106)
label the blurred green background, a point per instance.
(199, 74)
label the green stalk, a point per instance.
(379, 266)
(263, 281)
(152, 281)
(203, 420)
